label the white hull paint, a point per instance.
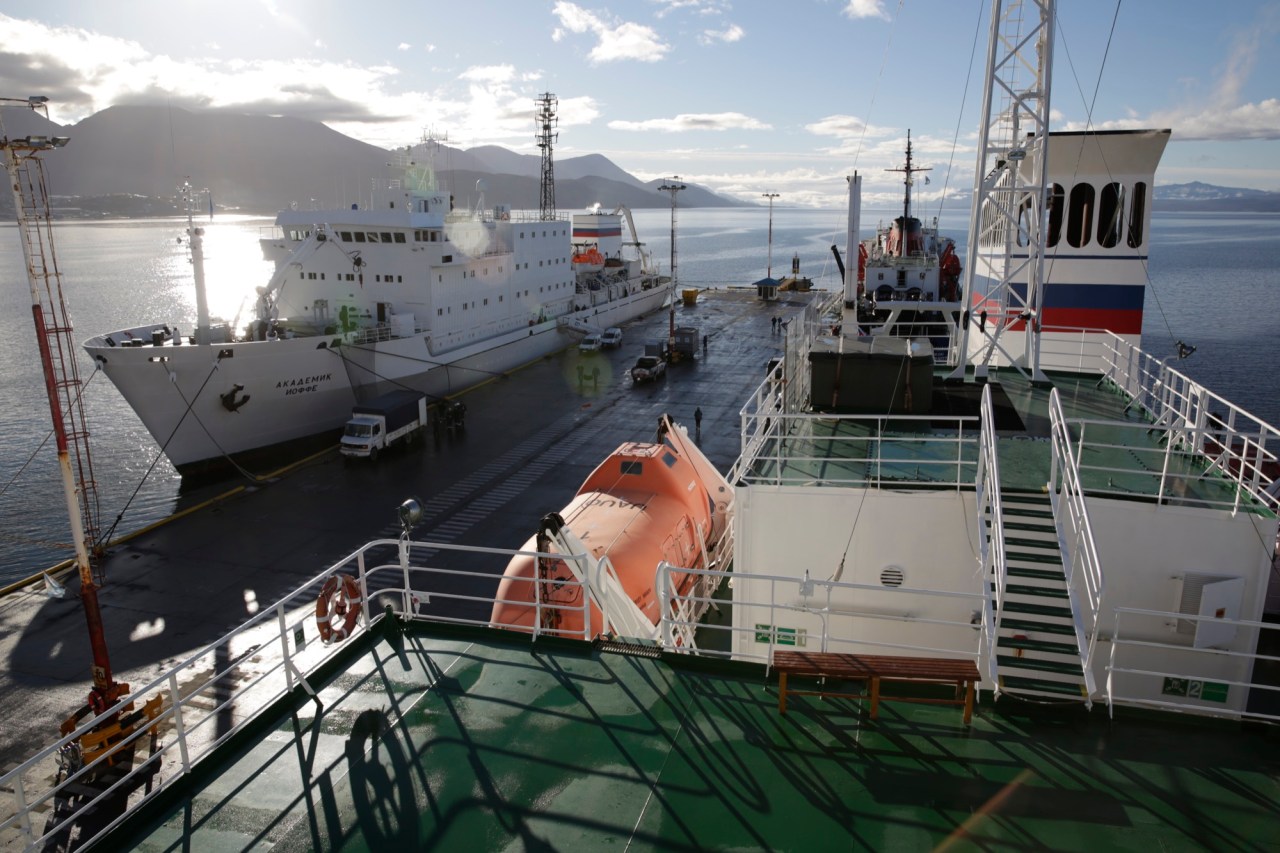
(299, 387)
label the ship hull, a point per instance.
(208, 405)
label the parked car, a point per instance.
(649, 368)
(591, 343)
(612, 338)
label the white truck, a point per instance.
(380, 423)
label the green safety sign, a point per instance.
(797, 637)
(1206, 691)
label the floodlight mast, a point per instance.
(769, 268)
(672, 186)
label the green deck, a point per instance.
(1122, 458)
(432, 740)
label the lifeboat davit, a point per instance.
(645, 504)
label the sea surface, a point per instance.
(1214, 285)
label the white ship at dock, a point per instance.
(407, 291)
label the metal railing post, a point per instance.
(179, 730)
(284, 644)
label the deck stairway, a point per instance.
(1036, 644)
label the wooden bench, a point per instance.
(874, 669)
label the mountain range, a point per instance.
(130, 160)
(133, 158)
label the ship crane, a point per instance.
(25, 168)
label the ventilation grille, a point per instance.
(892, 576)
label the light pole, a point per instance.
(771, 197)
(672, 186)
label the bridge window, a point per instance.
(1111, 215)
(1057, 203)
(1080, 215)
(1138, 215)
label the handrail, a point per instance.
(1216, 667)
(990, 508)
(815, 599)
(202, 691)
(1081, 565)
(1197, 467)
(1237, 443)
(778, 449)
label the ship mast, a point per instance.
(25, 168)
(1010, 199)
(907, 181)
(545, 117)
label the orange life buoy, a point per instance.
(343, 593)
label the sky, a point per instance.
(744, 98)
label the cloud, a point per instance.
(402, 46)
(83, 72)
(1219, 116)
(1224, 122)
(846, 128)
(866, 9)
(615, 42)
(489, 74)
(694, 121)
(729, 35)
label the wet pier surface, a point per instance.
(531, 438)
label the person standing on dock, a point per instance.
(697, 424)
(704, 344)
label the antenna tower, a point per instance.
(545, 118)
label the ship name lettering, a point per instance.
(302, 385)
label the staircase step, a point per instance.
(1053, 558)
(1041, 646)
(1025, 511)
(1030, 625)
(1037, 591)
(1041, 685)
(1052, 610)
(1029, 525)
(1043, 665)
(1019, 542)
(1035, 574)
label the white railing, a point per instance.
(1170, 470)
(786, 599)
(990, 510)
(207, 698)
(1081, 566)
(1187, 679)
(215, 692)
(1236, 445)
(856, 451)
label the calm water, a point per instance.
(1214, 285)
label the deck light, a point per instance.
(410, 514)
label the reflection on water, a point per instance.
(1213, 286)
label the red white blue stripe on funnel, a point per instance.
(1114, 307)
(589, 233)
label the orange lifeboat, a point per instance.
(588, 260)
(646, 503)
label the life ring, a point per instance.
(343, 593)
